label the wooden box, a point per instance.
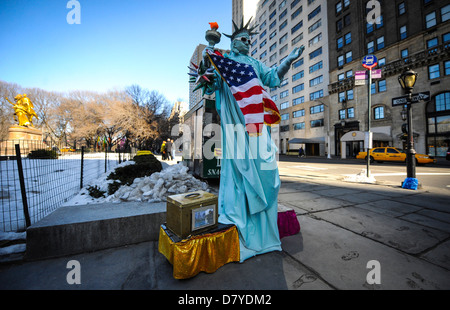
(192, 213)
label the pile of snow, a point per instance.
(172, 180)
(360, 178)
(12, 249)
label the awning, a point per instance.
(359, 136)
(306, 141)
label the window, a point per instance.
(297, 76)
(294, 3)
(283, 14)
(339, 25)
(382, 86)
(338, 7)
(348, 38)
(341, 76)
(315, 40)
(296, 13)
(432, 45)
(350, 94)
(315, 53)
(351, 112)
(314, 26)
(283, 49)
(273, 57)
(273, 24)
(316, 81)
(447, 67)
(299, 126)
(284, 94)
(314, 13)
(285, 117)
(404, 53)
(348, 57)
(297, 27)
(340, 42)
(283, 39)
(283, 24)
(380, 43)
(317, 123)
(316, 109)
(430, 19)
(316, 95)
(342, 97)
(299, 113)
(272, 35)
(401, 8)
(341, 61)
(316, 67)
(263, 34)
(297, 39)
(369, 28)
(381, 62)
(298, 100)
(373, 88)
(347, 20)
(263, 43)
(284, 105)
(443, 102)
(370, 47)
(349, 74)
(341, 114)
(298, 88)
(445, 13)
(403, 32)
(378, 112)
(433, 71)
(346, 3)
(272, 47)
(298, 63)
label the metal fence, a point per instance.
(31, 188)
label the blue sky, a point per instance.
(117, 44)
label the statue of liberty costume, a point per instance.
(249, 182)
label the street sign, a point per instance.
(370, 61)
(364, 75)
(415, 98)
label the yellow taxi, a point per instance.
(67, 149)
(381, 154)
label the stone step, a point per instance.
(89, 228)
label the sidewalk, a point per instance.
(344, 226)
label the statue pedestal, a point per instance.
(29, 139)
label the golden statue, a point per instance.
(24, 110)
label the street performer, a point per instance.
(249, 181)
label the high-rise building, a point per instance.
(404, 34)
(301, 98)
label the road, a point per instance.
(433, 177)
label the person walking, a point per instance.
(169, 149)
(301, 152)
(163, 151)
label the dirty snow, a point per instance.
(360, 177)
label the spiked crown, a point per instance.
(237, 30)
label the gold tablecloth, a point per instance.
(207, 252)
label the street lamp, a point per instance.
(407, 81)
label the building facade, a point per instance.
(319, 100)
(301, 98)
(403, 34)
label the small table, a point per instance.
(206, 252)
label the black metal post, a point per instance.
(82, 166)
(22, 186)
(411, 153)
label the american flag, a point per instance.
(254, 102)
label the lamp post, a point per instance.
(407, 81)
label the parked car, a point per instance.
(381, 154)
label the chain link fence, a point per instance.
(43, 178)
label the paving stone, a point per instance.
(341, 257)
(400, 234)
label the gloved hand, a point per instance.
(294, 55)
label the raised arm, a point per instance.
(294, 55)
